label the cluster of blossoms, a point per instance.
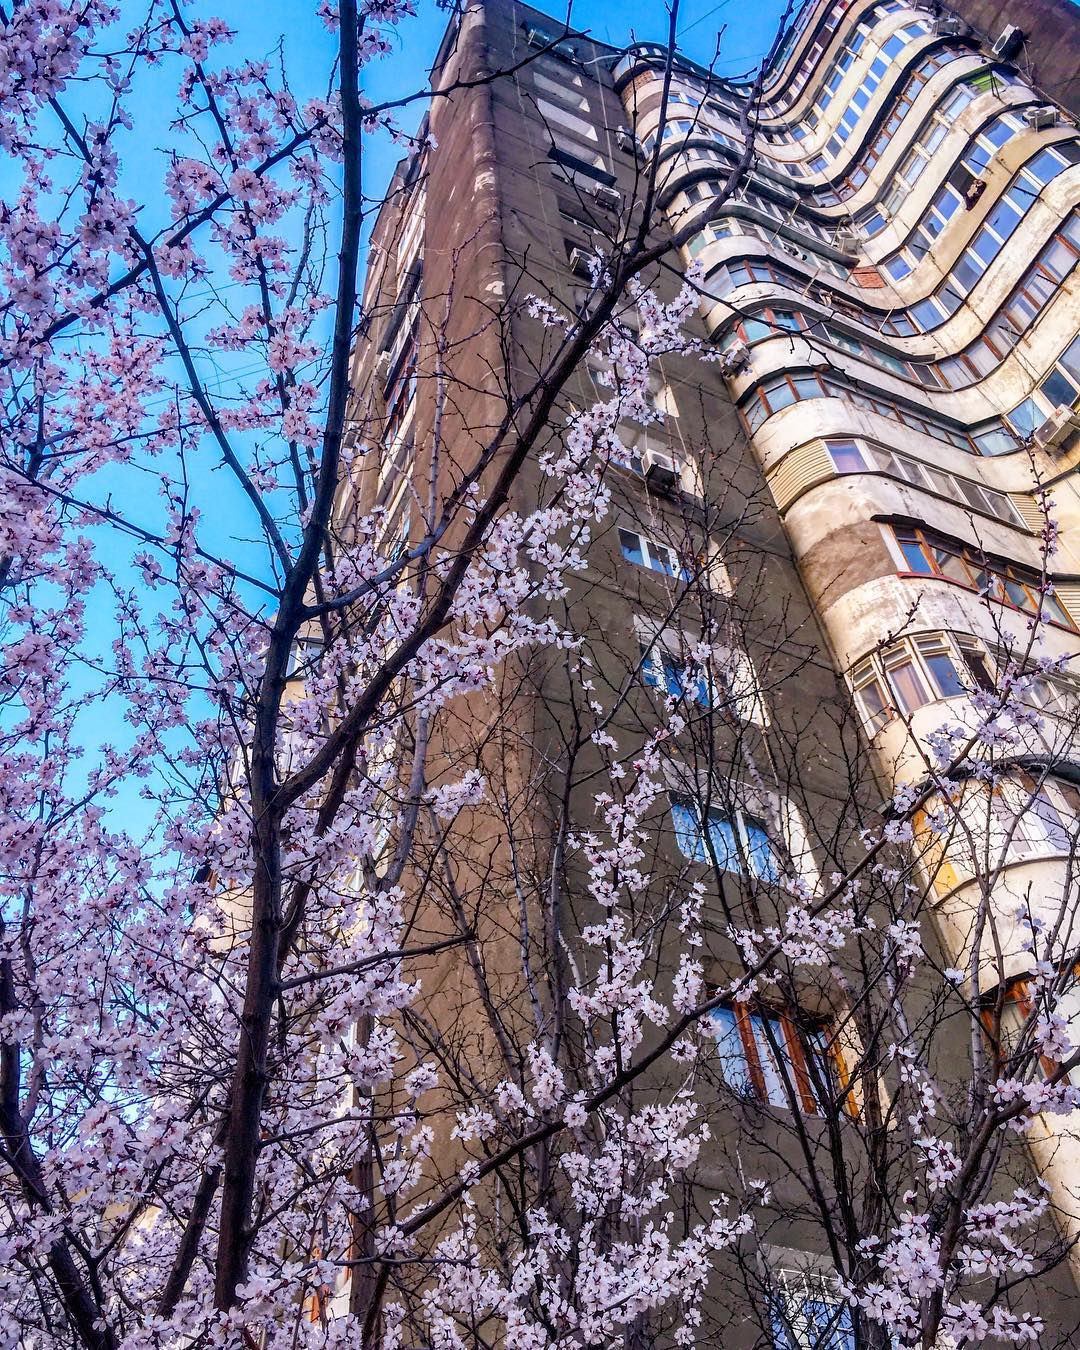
(127, 953)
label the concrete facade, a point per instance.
(899, 202)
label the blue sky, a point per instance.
(287, 30)
(748, 33)
(747, 36)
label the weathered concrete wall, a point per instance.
(1050, 56)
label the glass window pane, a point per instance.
(1045, 166)
(1058, 389)
(944, 674)
(663, 559)
(977, 158)
(986, 245)
(724, 845)
(1070, 358)
(687, 831)
(673, 676)
(1058, 259)
(996, 441)
(733, 1065)
(1057, 836)
(946, 202)
(780, 395)
(649, 674)
(951, 566)
(1055, 611)
(907, 687)
(1019, 595)
(914, 557)
(846, 456)
(828, 1324)
(874, 705)
(1026, 416)
(770, 1060)
(761, 856)
(756, 329)
(630, 543)
(979, 668)
(966, 271)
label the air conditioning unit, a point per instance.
(382, 364)
(1038, 119)
(581, 262)
(626, 140)
(735, 359)
(661, 471)
(847, 241)
(1058, 427)
(608, 197)
(1009, 42)
(948, 25)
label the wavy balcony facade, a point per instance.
(896, 287)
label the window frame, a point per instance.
(976, 566)
(646, 547)
(748, 1023)
(915, 652)
(738, 822)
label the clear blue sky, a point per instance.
(287, 30)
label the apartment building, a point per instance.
(860, 479)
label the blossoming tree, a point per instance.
(289, 1054)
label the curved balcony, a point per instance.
(1041, 254)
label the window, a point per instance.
(399, 391)
(782, 390)
(1034, 816)
(771, 320)
(724, 679)
(645, 552)
(1055, 694)
(989, 141)
(553, 44)
(928, 553)
(736, 841)
(847, 457)
(711, 234)
(915, 671)
(1000, 224)
(1039, 285)
(851, 456)
(662, 669)
(1010, 1040)
(807, 1311)
(874, 703)
(939, 660)
(907, 685)
(764, 1057)
(873, 224)
(1059, 388)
